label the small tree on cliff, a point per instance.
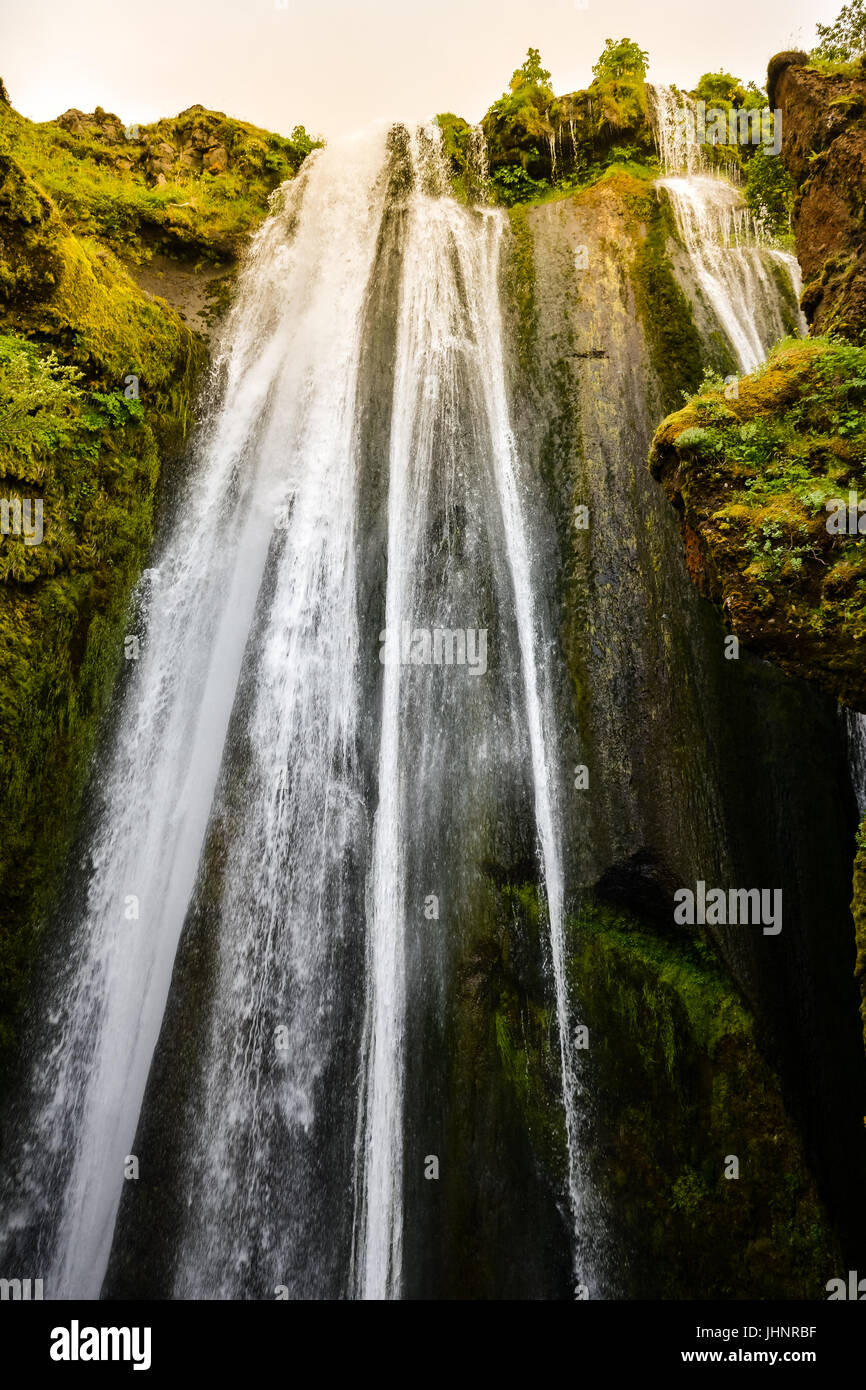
(846, 38)
(621, 58)
(532, 74)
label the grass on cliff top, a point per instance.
(197, 214)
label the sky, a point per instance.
(334, 66)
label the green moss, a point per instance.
(751, 474)
(151, 188)
(677, 352)
(681, 1086)
(83, 439)
(520, 279)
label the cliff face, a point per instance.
(174, 201)
(601, 347)
(824, 150)
(96, 387)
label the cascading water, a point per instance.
(288, 382)
(855, 730)
(734, 267)
(259, 780)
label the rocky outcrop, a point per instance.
(751, 476)
(824, 150)
(198, 141)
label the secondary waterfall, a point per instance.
(342, 683)
(734, 267)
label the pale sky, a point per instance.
(334, 66)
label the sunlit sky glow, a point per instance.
(333, 66)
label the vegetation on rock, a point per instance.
(763, 477)
(845, 38)
(677, 1074)
(96, 385)
(751, 470)
(681, 1085)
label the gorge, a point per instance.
(325, 916)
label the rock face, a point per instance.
(824, 150)
(751, 478)
(195, 142)
(600, 347)
(176, 201)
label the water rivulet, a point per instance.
(311, 1014)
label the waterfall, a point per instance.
(283, 777)
(449, 358)
(479, 165)
(732, 263)
(855, 730)
(289, 334)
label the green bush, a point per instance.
(769, 193)
(621, 58)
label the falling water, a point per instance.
(273, 776)
(733, 265)
(450, 368)
(855, 729)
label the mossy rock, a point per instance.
(681, 1088)
(97, 381)
(752, 472)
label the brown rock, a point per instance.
(824, 150)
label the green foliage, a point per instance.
(769, 193)
(723, 90)
(113, 192)
(677, 1070)
(532, 74)
(513, 185)
(73, 328)
(621, 58)
(754, 475)
(38, 397)
(845, 38)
